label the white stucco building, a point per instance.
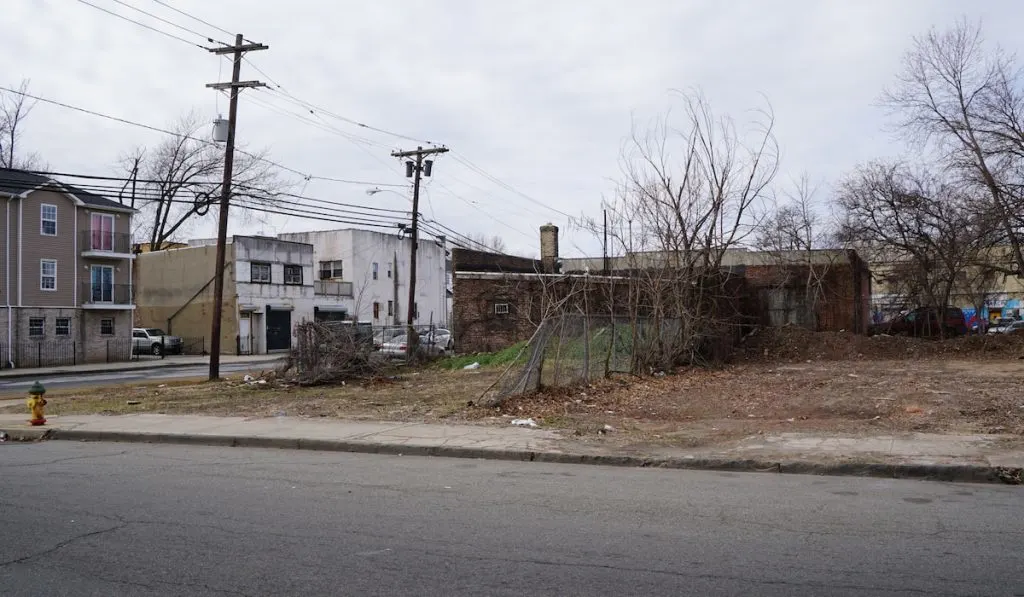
(376, 264)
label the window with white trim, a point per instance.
(62, 327)
(36, 327)
(48, 220)
(501, 308)
(48, 274)
(376, 268)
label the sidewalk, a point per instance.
(144, 363)
(968, 458)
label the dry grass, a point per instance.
(696, 406)
(420, 395)
(971, 386)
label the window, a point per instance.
(140, 334)
(35, 326)
(330, 270)
(102, 232)
(376, 310)
(101, 284)
(259, 273)
(48, 220)
(391, 308)
(63, 327)
(375, 269)
(106, 327)
(293, 275)
(48, 274)
(501, 308)
(389, 271)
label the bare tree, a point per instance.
(180, 180)
(792, 237)
(494, 243)
(14, 109)
(926, 227)
(965, 100)
(692, 191)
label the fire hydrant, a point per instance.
(36, 404)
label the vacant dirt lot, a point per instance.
(790, 381)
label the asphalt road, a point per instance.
(84, 380)
(126, 519)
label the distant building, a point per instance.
(268, 289)
(374, 267)
(65, 273)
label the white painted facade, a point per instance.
(377, 265)
(258, 296)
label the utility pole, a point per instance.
(225, 188)
(415, 170)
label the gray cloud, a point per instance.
(539, 94)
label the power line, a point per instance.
(171, 23)
(194, 18)
(191, 138)
(465, 161)
(252, 204)
(143, 25)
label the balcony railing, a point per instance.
(94, 241)
(332, 288)
(104, 295)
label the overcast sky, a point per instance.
(539, 94)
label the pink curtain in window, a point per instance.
(102, 232)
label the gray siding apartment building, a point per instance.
(65, 273)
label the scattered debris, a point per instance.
(3, 436)
(133, 402)
(473, 365)
(914, 410)
(163, 385)
(607, 429)
(854, 375)
(524, 423)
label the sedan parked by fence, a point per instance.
(155, 341)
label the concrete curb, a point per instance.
(965, 473)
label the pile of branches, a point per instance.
(330, 352)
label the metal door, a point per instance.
(279, 330)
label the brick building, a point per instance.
(498, 300)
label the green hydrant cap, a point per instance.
(37, 389)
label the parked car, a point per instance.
(155, 341)
(1017, 327)
(398, 345)
(1000, 325)
(924, 322)
(440, 338)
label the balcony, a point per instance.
(100, 296)
(332, 288)
(105, 245)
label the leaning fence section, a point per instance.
(570, 350)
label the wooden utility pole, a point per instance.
(415, 170)
(225, 189)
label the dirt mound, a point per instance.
(793, 343)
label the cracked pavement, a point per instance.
(115, 519)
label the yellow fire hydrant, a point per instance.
(36, 404)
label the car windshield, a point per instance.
(155, 332)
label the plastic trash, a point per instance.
(3, 436)
(474, 365)
(524, 423)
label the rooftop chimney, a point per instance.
(549, 248)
